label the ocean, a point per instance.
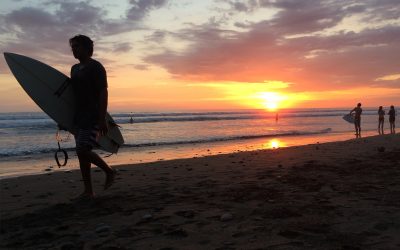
(32, 134)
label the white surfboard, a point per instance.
(349, 118)
(50, 90)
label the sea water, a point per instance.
(32, 134)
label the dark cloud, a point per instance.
(287, 48)
(141, 66)
(240, 6)
(244, 6)
(122, 47)
(242, 25)
(157, 36)
(38, 31)
(31, 18)
(140, 8)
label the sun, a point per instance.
(271, 106)
(271, 100)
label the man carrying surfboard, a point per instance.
(89, 83)
(357, 119)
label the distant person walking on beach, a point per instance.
(357, 119)
(381, 119)
(392, 118)
(89, 83)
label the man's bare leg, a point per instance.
(84, 164)
(110, 173)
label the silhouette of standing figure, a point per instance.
(357, 119)
(381, 119)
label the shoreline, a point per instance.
(10, 167)
(336, 195)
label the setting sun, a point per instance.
(271, 100)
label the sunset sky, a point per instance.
(215, 55)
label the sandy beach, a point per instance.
(337, 195)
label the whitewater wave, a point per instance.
(182, 142)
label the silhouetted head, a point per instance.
(392, 107)
(380, 107)
(81, 44)
(359, 104)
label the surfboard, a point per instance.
(349, 118)
(51, 91)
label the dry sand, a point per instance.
(340, 195)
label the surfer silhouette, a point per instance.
(357, 119)
(392, 118)
(381, 119)
(89, 83)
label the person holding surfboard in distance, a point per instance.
(89, 83)
(357, 119)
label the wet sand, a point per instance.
(43, 163)
(338, 195)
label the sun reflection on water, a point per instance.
(273, 144)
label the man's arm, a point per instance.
(101, 83)
(103, 99)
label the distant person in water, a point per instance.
(89, 83)
(381, 119)
(392, 118)
(357, 119)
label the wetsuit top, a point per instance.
(87, 81)
(381, 114)
(358, 112)
(392, 115)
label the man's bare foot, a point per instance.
(110, 178)
(84, 196)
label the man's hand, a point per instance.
(103, 127)
(60, 127)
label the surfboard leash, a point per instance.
(60, 150)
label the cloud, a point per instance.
(43, 31)
(389, 77)
(140, 8)
(122, 47)
(241, 6)
(292, 47)
(141, 66)
(157, 36)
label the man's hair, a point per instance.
(84, 41)
(359, 104)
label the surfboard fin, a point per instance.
(112, 123)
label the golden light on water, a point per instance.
(274, 144)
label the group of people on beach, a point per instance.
(381, 119)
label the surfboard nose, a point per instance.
(7, 54)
